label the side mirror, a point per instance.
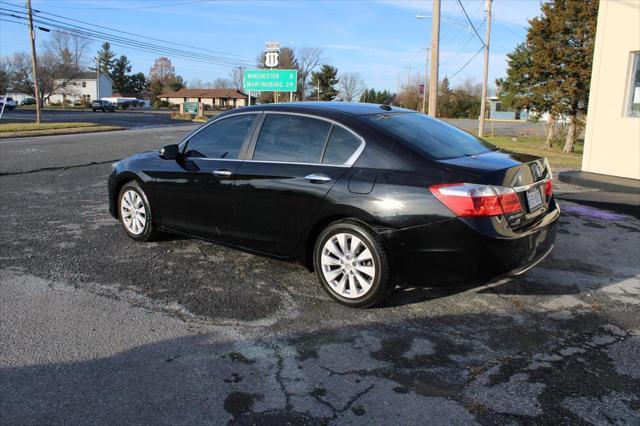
(170, 152)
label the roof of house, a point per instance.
(205, 93)
(88, 75)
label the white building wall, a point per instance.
(612, 138)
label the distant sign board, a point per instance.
(190, 107)
(266, 80)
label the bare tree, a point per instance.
(236, 75)
(53, 76)
(350, 87)
(409, 94)
(221, 83)
(308, 59)
(70, 49)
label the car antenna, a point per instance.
(385, 107)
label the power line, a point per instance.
(134, 44)
(467, 63)
(455, 55)
(128, 33)
(156, 6)
(471, 23)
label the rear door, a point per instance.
(195, 192)
(291, 164)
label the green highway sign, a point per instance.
(270, 80)
(190, 107)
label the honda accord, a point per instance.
(367, 196)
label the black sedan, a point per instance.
(368, 196)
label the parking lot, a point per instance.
(96, 328)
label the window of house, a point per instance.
(84, 84)
(633, 106)
(291, 138)
(498, 106)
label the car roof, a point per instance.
(326, 108)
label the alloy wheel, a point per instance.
(133, 213)
(348, 265)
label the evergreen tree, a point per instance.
(551, 71)
(326, 79)
(106, 58)
(121, 67)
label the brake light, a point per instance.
(548, 188)
(473, 200)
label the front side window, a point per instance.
(222, 139)
(434, 138)
(291, 138)
(341, 146)
(633, 109)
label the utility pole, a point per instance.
(97, 78)
(435, 51)
(426, 78)
(34, 63)
(485, 75)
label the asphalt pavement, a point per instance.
(99, 329)
(127, 118)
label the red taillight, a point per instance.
(472, 200)
(548, 188)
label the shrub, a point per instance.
(124, 105)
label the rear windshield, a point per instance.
(434, 138)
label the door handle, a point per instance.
(222, 172)
(317, 178)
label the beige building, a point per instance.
(612, 138)
(220, 98)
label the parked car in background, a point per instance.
(368, 196)
(9, 103)
(103, 106)
(28, 101)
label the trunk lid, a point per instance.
(527, 174)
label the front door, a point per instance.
(291, 166)
(194, 193)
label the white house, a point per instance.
(82, 87)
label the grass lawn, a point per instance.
(32, 129)
(535, 145)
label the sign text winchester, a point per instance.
(270, 80)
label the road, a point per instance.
(134, 119)
(128, 118)
(98, 329)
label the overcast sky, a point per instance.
(382, 40)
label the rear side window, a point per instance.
(291, 138)
(341, 146)
(222, 139)
(434, 138)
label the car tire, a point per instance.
(94, 110)
(352, 265)
(139, 223)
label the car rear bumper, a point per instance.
(452, 252)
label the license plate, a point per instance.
(534, 199)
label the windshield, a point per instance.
(435, 138)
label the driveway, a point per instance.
(99, 329)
